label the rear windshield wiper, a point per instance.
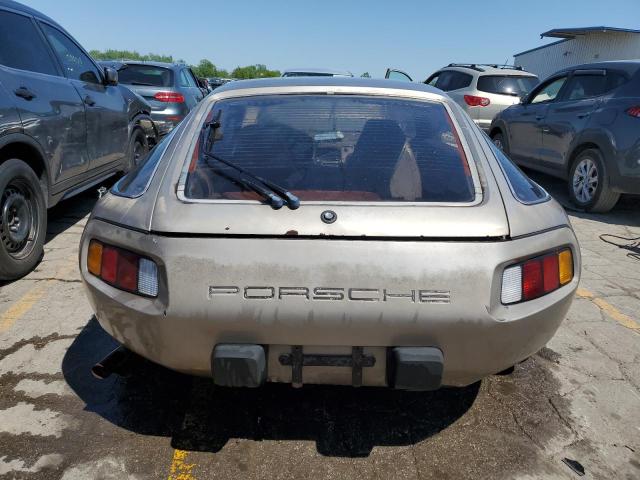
(142, 84)
(274, 193)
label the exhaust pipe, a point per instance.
(118, 361)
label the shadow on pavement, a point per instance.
(68, 212)
(626, 212)
(343, 421)
(65, 215)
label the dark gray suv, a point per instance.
(65, 125)
(172, 89)
(581, 124)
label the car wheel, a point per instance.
(589, 183)
(138, 148)
(499, 141)
(23, 219)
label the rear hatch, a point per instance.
(502, 90)
(147, 81)
(362, 167)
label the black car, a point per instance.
(172, 89)
(581, 124)
(65, 125)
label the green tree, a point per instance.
(254, 71)
(207, 69)
(111, 54)
(365, 75)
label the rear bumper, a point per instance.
(281, 293)
(167, 119)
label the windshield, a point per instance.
(335, 147)
(507, 84)
(145, 75)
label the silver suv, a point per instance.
(482, 90)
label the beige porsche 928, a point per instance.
(334, 231)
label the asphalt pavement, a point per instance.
(576, 400)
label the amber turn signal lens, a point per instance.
(94, 258)
(565, 263)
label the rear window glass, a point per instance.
(506, 84)
(334, 147)
(145, 75)
(522, 187)
(452, 80)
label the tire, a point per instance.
(138, 149)
(589, 183)
(23, 219)
(500, 142)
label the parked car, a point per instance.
(329, 230)
(581, 124)
(482, 90)
(215, 82)
(172, 89)
(65, 125)
(315, 72)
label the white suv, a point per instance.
(481, 90)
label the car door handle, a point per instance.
(539, 117)
(89, 101)
(24, 92)
(584, 115)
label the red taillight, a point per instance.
(634, 111)
(532, 283)
(540, 276)
(474, 101)
(169, 97)
(127, 271)
(109, 270)
(123, 269)
(551, 273)
(536, 277)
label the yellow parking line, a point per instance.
(180, 469)
(22, 306)
(29, 299)
(613, 312)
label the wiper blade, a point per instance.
(142, 84)
(292, 201)
(271, 191)
(275, 201)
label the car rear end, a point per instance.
(158, 86)
(619, 114)
(399, 268)
(494, 90)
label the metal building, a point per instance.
(580, 45)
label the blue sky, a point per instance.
(412, 35)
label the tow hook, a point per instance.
(119, 361)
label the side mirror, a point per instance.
(110, 76)
(524, 98)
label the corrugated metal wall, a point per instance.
(593, 47)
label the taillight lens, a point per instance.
(634, 111)
(474, 101)
(536, 277)
(169, 97)
(123, 269)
